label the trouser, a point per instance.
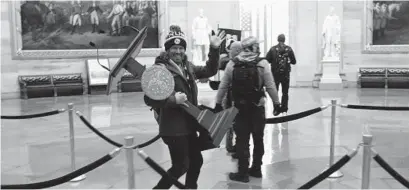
(94, 18)
(186, 158)
(284, 80)
(75, 21)
(230, 133)
(116, 25)
(250, 121)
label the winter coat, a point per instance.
(172, 118)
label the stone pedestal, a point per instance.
(330, 79)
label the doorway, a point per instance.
(265, 20)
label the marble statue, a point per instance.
(201, 32)
(331, 33)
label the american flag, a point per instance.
(245, 20)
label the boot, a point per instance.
(284, 109)
(239, 177)
(73, 29)
(255, 172)
(93, 28)
(277, 109)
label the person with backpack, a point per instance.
(281, 57)
(232, 51)
(247, 74)
(177, 128)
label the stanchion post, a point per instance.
(129, 140)
(338, 173)
(367, 157)
(72, 142)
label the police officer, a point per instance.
(247, 74)
(281, 57)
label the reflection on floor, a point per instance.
(38, 149)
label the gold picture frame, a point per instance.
(20, 54)
(367, 35)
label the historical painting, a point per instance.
(58, 25)
(390, 24)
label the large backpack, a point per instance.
(283, 60)
(246, 88)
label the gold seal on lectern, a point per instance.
(157, 82)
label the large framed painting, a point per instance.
(386, 27)
(64, 29)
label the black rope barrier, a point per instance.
(65, 178)
(296, 116)
(391, 171)
(148, 160)
(54, 112)
(155, 166)
(110, 141)
(338, 165)
(283, 119)
(364, 107)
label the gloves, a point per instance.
(218, 108)
(277, 108)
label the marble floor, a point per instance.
(38, 149)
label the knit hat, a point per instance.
(249, 41)
(175, 37)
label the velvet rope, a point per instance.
(155, 166)
(345, 159)
(112, 142)
(282, 119)
(391, 171)
(292, 117)
(54, 112)
(363, 107)
(65, 178)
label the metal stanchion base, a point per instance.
(337, 174)
(79, 178)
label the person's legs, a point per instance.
(285, 85)
(229, 140)
(242, 130)
(195, 164)
(277, 81)
(179, 154)
(230, 133)
(257, 130)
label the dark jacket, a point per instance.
(272, 55)
(96, 8)
(174, 120)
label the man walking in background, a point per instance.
(281, 57)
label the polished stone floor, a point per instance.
(38, 149)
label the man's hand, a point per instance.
(215, 41)
(181, 98)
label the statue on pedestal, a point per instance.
(201, 31)
(331, 33)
